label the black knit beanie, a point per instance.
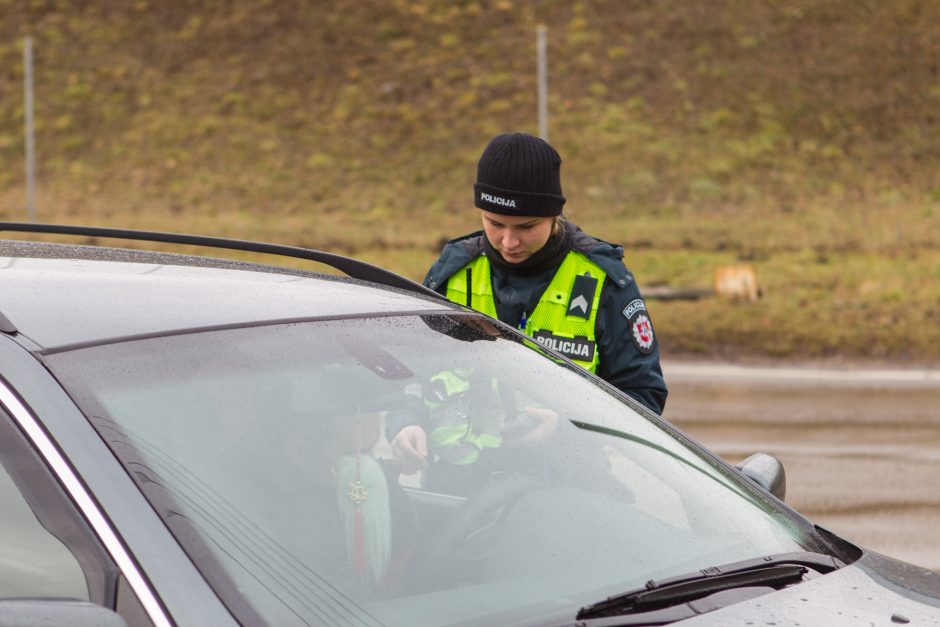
(518, 175)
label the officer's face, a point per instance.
(516, 237)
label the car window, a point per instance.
(269, 450)
(33, 561)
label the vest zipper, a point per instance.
(469, 288)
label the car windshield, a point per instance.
(267, 449)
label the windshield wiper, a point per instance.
(775, 571)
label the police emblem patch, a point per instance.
(634, 306)
(641, 328)
(643, 334)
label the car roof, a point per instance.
(60, 295)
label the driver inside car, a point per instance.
(461, 418)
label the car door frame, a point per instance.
(167, 584)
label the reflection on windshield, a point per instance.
(408, 470)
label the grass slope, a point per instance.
(800, 137)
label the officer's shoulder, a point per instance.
(464, 248)
(455, 254)
(606, 255)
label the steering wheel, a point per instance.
(501, 490)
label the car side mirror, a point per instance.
(52, 612)
(767, 472)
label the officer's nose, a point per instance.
(510, 241)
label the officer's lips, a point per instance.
(515, 257)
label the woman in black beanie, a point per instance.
(532, 269)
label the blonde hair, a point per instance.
(558, 224)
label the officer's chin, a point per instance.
(514, 260)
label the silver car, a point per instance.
(196, 441)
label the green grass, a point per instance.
(848, 305)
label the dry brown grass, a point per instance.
(801, 138)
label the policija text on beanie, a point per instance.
(518, 175)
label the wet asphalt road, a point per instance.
(861, 447)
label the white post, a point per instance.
(541, 53)
(30, 143)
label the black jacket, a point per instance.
(624, 363)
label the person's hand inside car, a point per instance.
(410, 449)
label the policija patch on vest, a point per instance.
(577, 348)
(641, 328)
(582, 296)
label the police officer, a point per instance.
(532, 269)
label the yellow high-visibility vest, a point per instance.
(566, 314)
(457, 436)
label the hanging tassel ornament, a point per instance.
(363, 498)
(358, 492)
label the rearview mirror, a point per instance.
(767, 472)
